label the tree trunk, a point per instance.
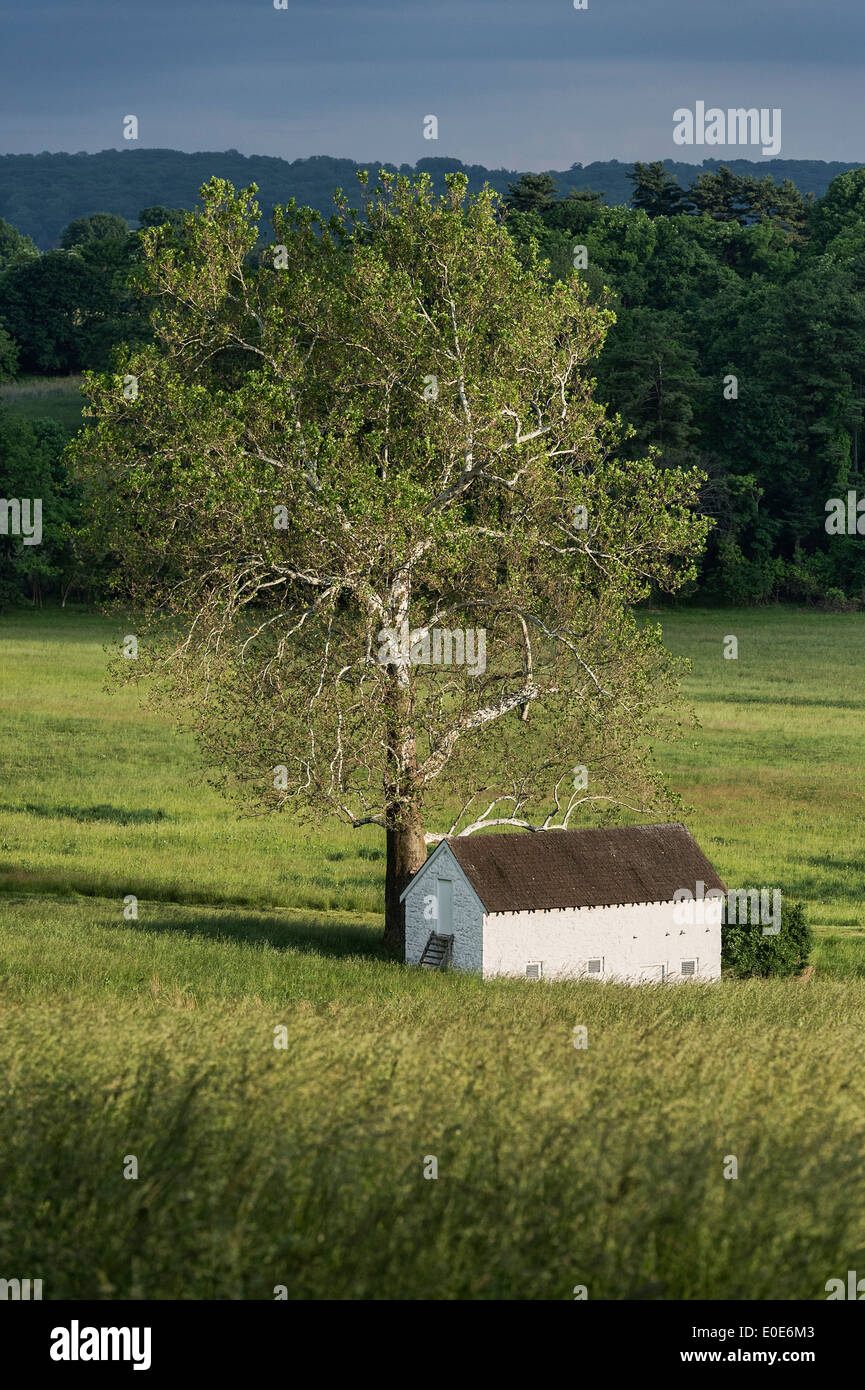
(406, 852)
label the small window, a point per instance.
(534, 970)
(596, 966)
(651, 974)
(689, 967)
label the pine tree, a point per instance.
(656, 191)
(531, 193)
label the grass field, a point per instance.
(303, 1165)
(45, 397)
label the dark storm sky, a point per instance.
(519, 83)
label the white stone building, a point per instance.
(565, 904)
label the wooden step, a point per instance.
(437, 952)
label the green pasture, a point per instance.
(302, 1165)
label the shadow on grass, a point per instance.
(72, 884)
(309, 935)
(79, 624)
(794, 701)
(822, 861)
(112, 815)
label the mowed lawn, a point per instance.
(302, 1164)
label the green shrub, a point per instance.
(746, 951)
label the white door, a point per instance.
(650, 974)
(445, 907)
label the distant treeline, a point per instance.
(42, 193)
(738, 345)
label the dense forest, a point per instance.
(738, 344)
(40, 194)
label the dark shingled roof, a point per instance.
(582, 868)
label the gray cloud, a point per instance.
(524, 83)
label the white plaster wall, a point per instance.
(468, 914)
(625, 938)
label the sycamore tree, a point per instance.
(372, 523)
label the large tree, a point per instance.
(656, 190)
(14, 246)
(99, 226)
(383, 426)
(68, 309)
